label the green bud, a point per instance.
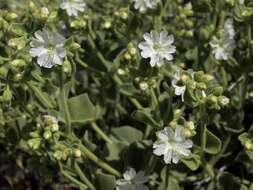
(55, 127)
(199, 76)
(212, 100)
(11, 16)
(3, 72)
(143, 85)
(18, 63)
(17, 77)
(34, 134)
(121, 71)
(248, 145)
(201, 85)
(223, 100)
(34, 143)
(47, 134)
(7, 94)
(217, 91)
(67, 68)
(44, 13)
(77, 153)
(189, 125)
(74, 46)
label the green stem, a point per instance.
(224, 147)
(99, 162)
(83, 177)
(73, 180)
(64, 105)
(101, 133)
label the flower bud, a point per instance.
(217, 91)
(44, 13)
(127, 56)
(173, 124)
(187, 133)
(11, 16)
(47, 134)
(7, 94)
(223, 100)
(18, 63)
(199, 76)
(55, 127)
(201, 85)
(189, 125)
(34, 143)
(212, 99)
(121, 71)
(143, 85)
(248, 145)
(77, 153)
(107, 24)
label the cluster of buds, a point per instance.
(210, 90)
(144, 83)
(47, 133)
(202, 89)
(131, 52)
(189, 128)
(182, 17)
(122, 13)
(62, 152)
(41, 13)
(80, 22)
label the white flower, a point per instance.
(223, 47)
(157, 47)
(180, 90)
(73, 6)
(172, 144)
(48, 47)
(143, 5)
(132, 181)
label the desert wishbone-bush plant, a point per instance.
(126, 94)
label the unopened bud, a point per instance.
(223, 100)
(47, 134)
(143, 86)
(77, 153)
(121, 71)
(44, 12)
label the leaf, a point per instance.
(106, 181)
(114, 150)
(81, 109)
(165, 102)
(213, 143)
(127, 134)
(128, 89)
(43, 98)
(192, 162)
(228, 181)
(145, 117)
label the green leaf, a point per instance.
(213, 143)
(106, 181)
(127, 134)
(192, 162)
(81, 109)
(43, 97)
(114, 150)
(228, 181)
(165, 102)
